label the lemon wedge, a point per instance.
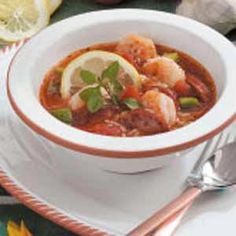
(96, 62)
(53, 5)
(22, 18)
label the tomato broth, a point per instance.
(169, 90)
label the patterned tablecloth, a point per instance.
(8, 209)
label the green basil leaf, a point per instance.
(63, 114)
(132, 103)
(116, 87)
(115, 99)
(95, 102)
(93, 98)
(86, 93)
(112, 71)
(88, 77)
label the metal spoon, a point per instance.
(217, 173)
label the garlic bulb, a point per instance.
(219, 14)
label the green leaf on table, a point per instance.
(88, 77)
(3, 229)
(132, 103)
(111, 71)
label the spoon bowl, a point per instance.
(219, 171)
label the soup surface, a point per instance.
(128, 88)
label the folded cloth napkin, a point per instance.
(219, 14)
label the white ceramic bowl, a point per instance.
(127, 155)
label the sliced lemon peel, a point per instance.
(95, 61)
(22, 19)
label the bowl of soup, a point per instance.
(128, 90)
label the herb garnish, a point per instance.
(108, 81)
(93, 98)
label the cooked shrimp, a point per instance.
(165, 70)
(162, 105)
(136, 48)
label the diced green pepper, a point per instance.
(63, 114)
(188, 102)
(172, 55)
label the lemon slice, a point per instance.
(96, 62)
(53, 5)
(22, 18)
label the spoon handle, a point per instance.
(170, 225)
(166, 212)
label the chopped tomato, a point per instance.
(130, 92)
(182, 88)
(106, 129)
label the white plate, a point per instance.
(95, 202)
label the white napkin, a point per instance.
(219, 14)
